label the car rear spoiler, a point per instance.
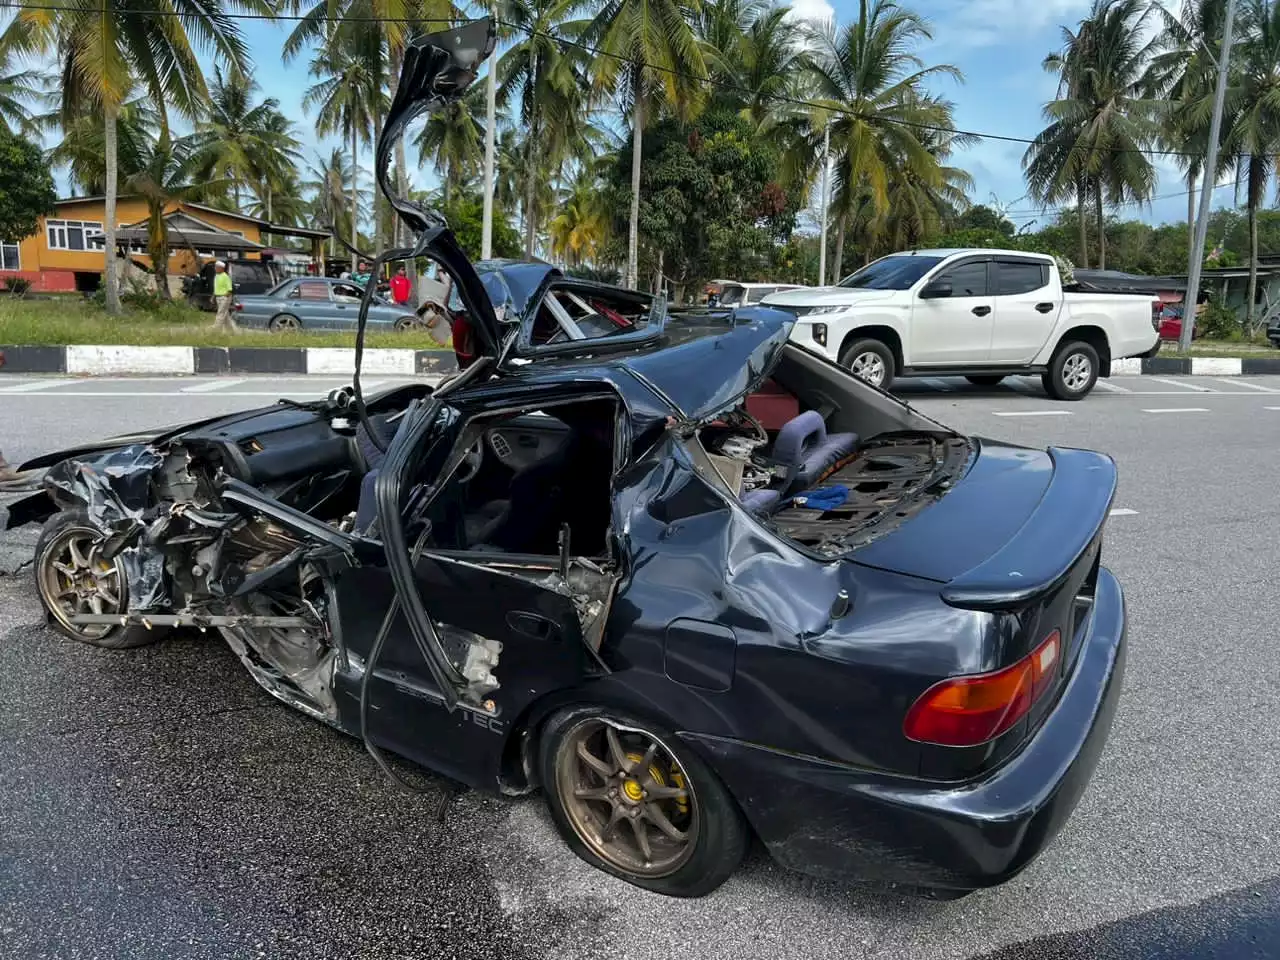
(1064, 524)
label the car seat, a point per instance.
(805, 452)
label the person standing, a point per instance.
(362, 277)
(222, 297)
(400, 288)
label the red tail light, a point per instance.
(239, 306)
(967, 711)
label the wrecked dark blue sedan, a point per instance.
(693, 582)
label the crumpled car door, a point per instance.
(494, 631)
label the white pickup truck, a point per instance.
(981, 314)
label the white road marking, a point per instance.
(1185, 386)
(1123, 512)
(1032, 413)
(1271, 408)
(1178, 410)
(1245, 383)
(1111, 387)
(212, 386)
(30, 386)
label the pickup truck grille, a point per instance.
(788, 308)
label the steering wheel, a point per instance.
(471, 461)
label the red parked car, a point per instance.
(1171, 321)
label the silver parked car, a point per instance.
(320, 303)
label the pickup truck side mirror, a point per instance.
(936, 290)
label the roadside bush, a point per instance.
(16, 286)
(1219, 322)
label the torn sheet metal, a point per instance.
(115, 491)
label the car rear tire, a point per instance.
(985, 381)
(673, 829)
(870, 360)
(407, 324)
(71, 577)
(284, 323)
(1072, 372)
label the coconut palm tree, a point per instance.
(167, 173)
(756, 51)
(329, 182)
(243, 142)
(922, 206)
(452, 140)
(348, 84)
(1104, 118)
(101, 47)
(578, 232)
(868, 84)
(1253, 110)
(646, 51)
(19, 90)
(545, 78)
(82, 147)
(1183, 71)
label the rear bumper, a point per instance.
(836, 821)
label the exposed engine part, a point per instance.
(481, 661)
(474, 656)
(175, 480)
(257, 543)
(294, 663)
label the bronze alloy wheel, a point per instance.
(628, 798)
(74, 579)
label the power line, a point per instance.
(1028, 213)
(596, 51)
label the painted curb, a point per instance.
(104, 360)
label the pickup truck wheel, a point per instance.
(870, 360)
(1072, 372)
(632, 800)
(986, 381)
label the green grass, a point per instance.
(66, 321)
(1221, 348)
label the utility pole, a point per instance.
(490, 122)
(826, 174)
(1210, 180)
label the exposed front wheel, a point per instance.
(1072, 372)
(870, 360)
(73, 578)
(629, 799)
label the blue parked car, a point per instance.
(320, 303)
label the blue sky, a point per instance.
(997, 44)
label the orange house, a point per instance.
(66, 254)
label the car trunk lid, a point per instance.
(1014, 526)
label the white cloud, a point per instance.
(981, 23)
(812, 10)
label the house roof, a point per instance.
(185, 231)
(265, 225)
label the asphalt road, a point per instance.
(156, 803)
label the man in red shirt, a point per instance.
(400, 287)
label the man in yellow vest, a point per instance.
(222, 297)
